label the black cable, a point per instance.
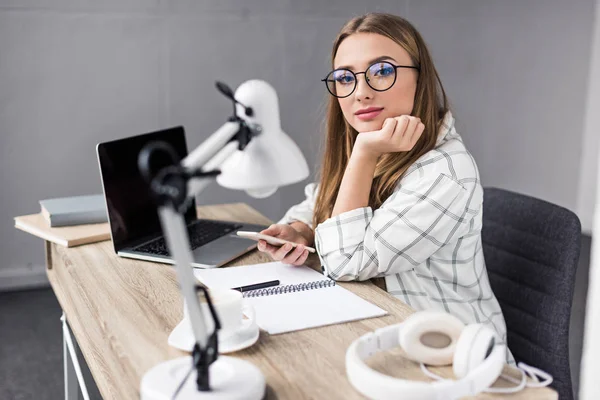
(226, 90)
(180, 386)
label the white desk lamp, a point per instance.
(254, 155)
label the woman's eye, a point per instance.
(384, 71)
(344, 79)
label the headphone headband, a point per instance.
(376, 385)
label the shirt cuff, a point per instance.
(346, 230)
(289, 219)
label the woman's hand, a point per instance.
(396, 135)
(286, 253)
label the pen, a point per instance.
(256, 286)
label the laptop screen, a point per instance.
(132, 212)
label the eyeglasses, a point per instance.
(380, 77)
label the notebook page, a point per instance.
(289, 312)
(309, 309)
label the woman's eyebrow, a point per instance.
(373, 61)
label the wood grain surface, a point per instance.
(121, 312)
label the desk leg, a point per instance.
(73, 376)
(71, 386)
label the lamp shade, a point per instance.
(271, 159)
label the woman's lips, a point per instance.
(365, 116)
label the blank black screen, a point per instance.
(132, 212)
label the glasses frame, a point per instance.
(366, 79)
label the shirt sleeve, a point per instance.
(409, 227)
(303, 211)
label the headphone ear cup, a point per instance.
(476, 342)
(430, 337)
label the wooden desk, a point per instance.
(121, 312)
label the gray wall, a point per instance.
(75, 73)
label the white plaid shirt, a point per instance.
(425, 238)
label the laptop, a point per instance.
(133, 215)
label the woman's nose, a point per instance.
(363, 90)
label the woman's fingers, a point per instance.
(279, 253)
(302, 259)
(389, 127)
(401, 126)
(405, 139)
(272, 230)
(284, 253)
(294, 256)
(412, 127)
(266, 247)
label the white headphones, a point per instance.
(433, 338)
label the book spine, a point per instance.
(84, 218)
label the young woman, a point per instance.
(399, 194)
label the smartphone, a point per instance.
(269, 239)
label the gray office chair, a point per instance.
(531, 249)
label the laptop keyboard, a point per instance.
(200, 233)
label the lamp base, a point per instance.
(230, 379)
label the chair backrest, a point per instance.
(531, 249)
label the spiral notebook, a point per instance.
(304, 299)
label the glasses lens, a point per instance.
(340, 82)
(381, 75)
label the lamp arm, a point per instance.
(213, 152)
(197, 186)
(211, 146)
(173, 226)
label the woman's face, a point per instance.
(357, 53)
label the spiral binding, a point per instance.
(289, 288)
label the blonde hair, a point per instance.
(430, 105)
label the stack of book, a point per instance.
(68, 221)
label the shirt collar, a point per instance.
(447, 130)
